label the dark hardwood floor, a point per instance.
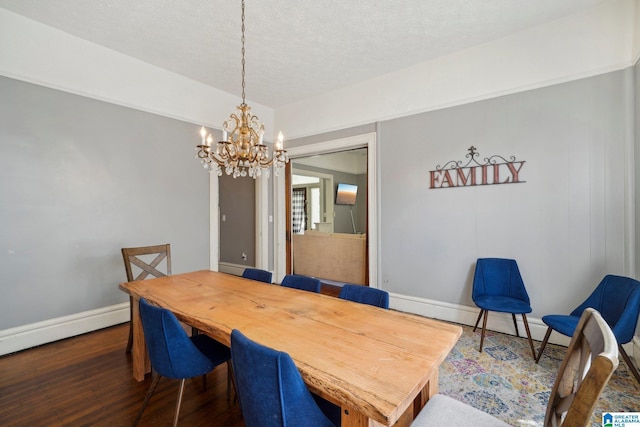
(86, 381)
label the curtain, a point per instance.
(297, 209)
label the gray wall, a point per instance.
(565, 225)
(80, 179)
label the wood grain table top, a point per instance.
(371, 360)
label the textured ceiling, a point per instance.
(294, 49)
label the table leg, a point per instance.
(353, 418)
(427, 392)
(141, 364)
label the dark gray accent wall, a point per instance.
(237, 219)
(81, 179)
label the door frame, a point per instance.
(368, 141)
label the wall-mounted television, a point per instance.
(346, 194)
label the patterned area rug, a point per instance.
(504, 380)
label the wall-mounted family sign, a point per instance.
(495, 170)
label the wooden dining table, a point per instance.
(380, 366)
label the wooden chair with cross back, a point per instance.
(149, 265)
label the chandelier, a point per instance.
(241, 151)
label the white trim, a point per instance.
(27, 336)
(629, 182)
(36, 53)
(499, 322)
(214, 224)
(34, 334)
(367, 140)
(262, 223)
(279, 229)
(231, 268)
(634, 351)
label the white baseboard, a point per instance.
(231, 268)
(27, 336)
(34, 334)
(499, 322)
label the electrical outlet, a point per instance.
(244, 256)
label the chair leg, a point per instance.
(526, 328)
(178, 403)
(231, 375)
(130, 342)
(515, 324)
(484, 328)
(544, 344)
(228, 380)
(154, 384)
(629, 363)
(478, 320)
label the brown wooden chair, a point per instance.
(148, 266)
(591, 358)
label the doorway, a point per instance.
(327, 191)
(364, 218)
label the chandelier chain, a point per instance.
(243, 84)
(241, 151)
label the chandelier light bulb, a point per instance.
(280, 142)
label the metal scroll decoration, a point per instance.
(494, 170)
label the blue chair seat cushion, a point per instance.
(216, 352)
(564, 324)
(502, 304)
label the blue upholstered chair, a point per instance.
(257, 274)
(305, 283)
(617, 298)
(365, 295)
(271, 390)
(591, 358)
(173, 354)
(498, 286)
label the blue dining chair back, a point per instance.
(173, 354)
(305, 283)
(498, 286)
(497, 282)
(365, 295)
(257, 274)
(617, 298)
(271, 390)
